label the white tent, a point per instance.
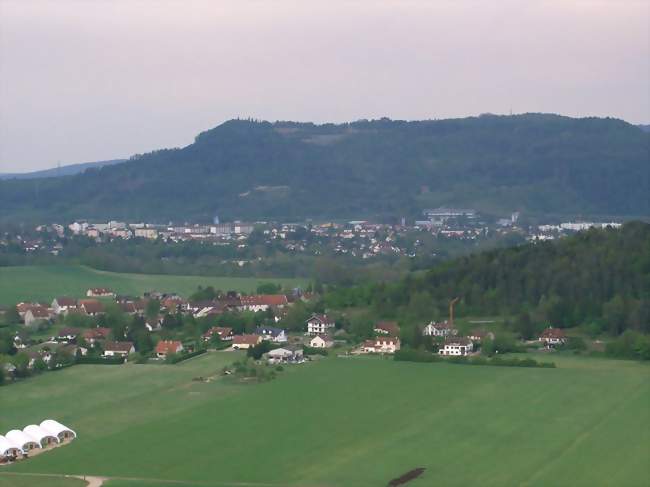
(22, 441)
(40, 435)
(57, 429)
(7, 448)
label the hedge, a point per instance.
(100, 360)
(185, 356)
(410, 355)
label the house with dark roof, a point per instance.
(272, 334)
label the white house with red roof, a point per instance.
(319, 324)
(262, 302)
(166, 347)
(381, 345)
(243, 342)
(552, 336)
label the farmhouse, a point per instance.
(165, 347)
(439, 329)
(224, 333)
(390, 328)
(91, 307)
(22, 308)
(35, 315)
(276, 335)
(243, 342)
(100, 292)
(93, 335)
(118, 349)
(319, 324)
(381, 345)
(552, 336)
(456, 346)
(262, 302)
(320, 341)
(63, 304)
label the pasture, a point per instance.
(345, 422)
(43, 283)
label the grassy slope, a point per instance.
(348, 422)
(31, 481)
(46, 282)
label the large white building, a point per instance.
(457, 347)
(319, 325)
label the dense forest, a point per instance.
(537, 163)
(599, 279)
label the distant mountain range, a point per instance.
(536, 163)
(67, 170)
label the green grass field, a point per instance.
(341, 422)
(43, 283)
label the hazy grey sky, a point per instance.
(91, 80)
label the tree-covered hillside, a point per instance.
(599, 278)
(541, 164)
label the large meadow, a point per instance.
(343, 422)
(43, 283)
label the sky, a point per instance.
(93, 80)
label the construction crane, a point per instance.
(452, 303)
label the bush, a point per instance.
(415, 355)
(314, 351)
(410, 355)
(630, 345)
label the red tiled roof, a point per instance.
(91, 306)
(168, 346)
(246, 339)
(390, 327)
(118, 346)
(553, 333)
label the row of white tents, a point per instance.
(17, 442)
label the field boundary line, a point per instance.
(162, 481)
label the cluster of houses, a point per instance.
(32, 439)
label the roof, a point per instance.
(96, 333)
(264, 300)
(168, 346)
(320, 318)
(380, 340)
(221, 331)
(442, 325)
(65, 301)
(6, 446)
(39, 312)
(390, 327)
(37, 433)
(56, 428)
(19, 439)
(65, 332)
(268, 330)
(91, 305)
(118, 346)
(553, 333)
(100, 290)
(462, 341)
(246, 339)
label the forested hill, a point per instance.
(536, 163)
(599, 278)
